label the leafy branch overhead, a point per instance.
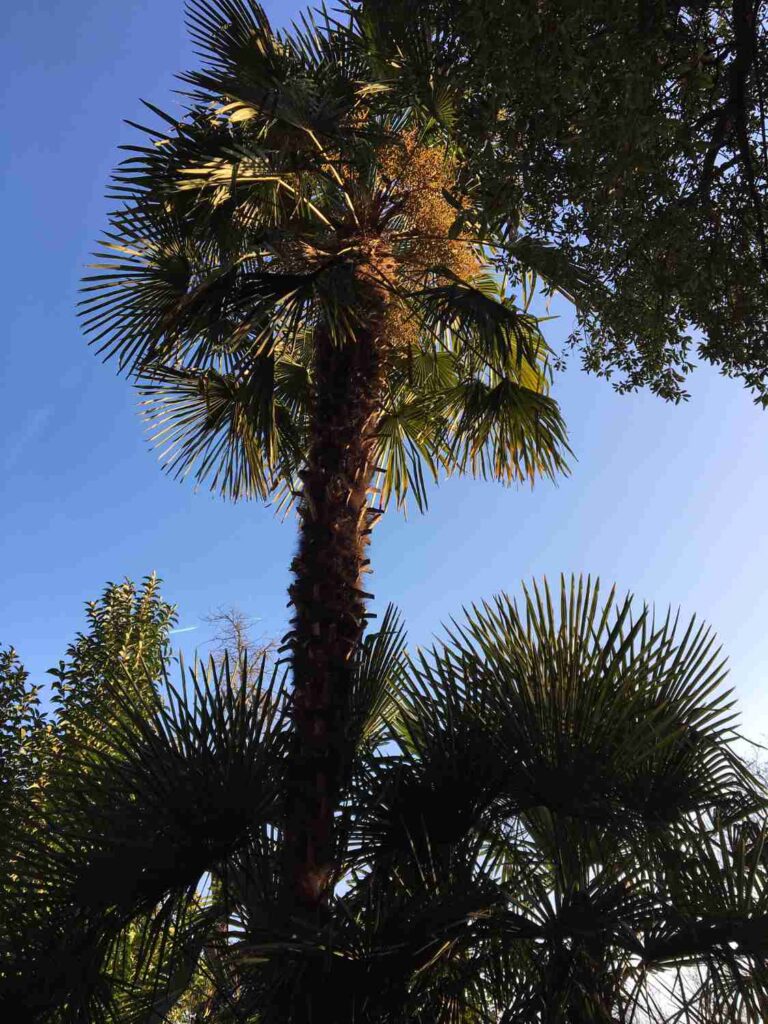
(620, 146)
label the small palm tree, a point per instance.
(297, 282)
(544, 822)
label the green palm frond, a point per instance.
(489, 412)
(623, 690)
(164, 294)
(409, 444)
(378, 667)
(559, 272)
(230, 32)
(205, 765)
(543, 815)
(231, 430)
(500, 430)
(476, 317)
(305, 78)
(584, 743)
(132, 828)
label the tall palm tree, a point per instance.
(297, 282)
(545, 822)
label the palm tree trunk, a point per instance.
(328, 599)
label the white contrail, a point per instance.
(186, 629)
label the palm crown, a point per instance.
(303, 191)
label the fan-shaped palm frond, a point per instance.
(133, 826)
(542, 819)
(585, 748)
(245, 432)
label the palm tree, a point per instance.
(297, 282)
(545, 822)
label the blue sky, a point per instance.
(669, 502)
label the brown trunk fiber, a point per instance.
(329, 601)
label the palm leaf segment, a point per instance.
(544, 821)
(116, 897)
(301, 176)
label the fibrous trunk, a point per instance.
(328, 598)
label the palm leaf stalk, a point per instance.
(295, 282)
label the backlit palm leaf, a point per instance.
(242, 229)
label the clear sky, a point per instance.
(669, 502)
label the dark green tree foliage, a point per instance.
(24, 742)
(622, 146)
(127, 638)
(127, 635)
(544, 822)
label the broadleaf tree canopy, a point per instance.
(622, 144)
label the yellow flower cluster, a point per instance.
(399, 231)
(420, 176)
(401, 328)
